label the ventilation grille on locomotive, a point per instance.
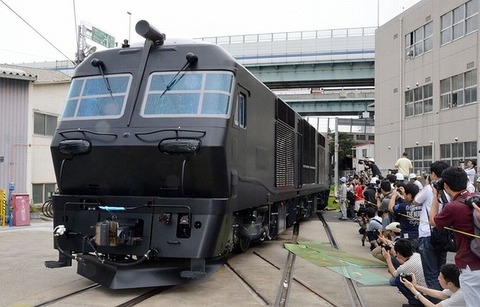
(284, 155)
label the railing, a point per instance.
(286, 36)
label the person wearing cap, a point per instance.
(404, 165)
(387, 238)
(399, 178)
(374, 168)
(369, 194)
(342, 198)
(413, 179)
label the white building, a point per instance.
(31, 100)
(426, 72)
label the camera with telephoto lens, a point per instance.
(387, 247)
(438, 184)
(406, 276)
(472, 199)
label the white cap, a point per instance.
(371, 159)
(374, 180)
(399, 177)
(411, 176)
(394, 226)
(343, 179)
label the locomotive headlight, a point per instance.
(179, 146)
(74, 147)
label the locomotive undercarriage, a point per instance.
(257, 224)
(135, 246)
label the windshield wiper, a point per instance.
(98, 63)
(191, 59)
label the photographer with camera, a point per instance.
(410, 262)
(405, 212)
(432, 258)
(458, 215)
(450, 296)
(387, 239)
(374, 168)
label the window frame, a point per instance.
(459, 22)
(46, 128)
(202, 92)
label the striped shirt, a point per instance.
(412, 265)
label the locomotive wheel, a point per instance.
(243, 244)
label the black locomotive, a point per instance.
(168, 156)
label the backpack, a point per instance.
(475, 243)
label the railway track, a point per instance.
(265, 275)
(136, 296)
(353, 291)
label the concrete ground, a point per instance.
(24, 249)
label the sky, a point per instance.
(57, 20)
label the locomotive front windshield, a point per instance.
(97, 97)
(203, 94)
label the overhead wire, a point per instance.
(36, 31)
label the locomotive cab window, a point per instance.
(97, 97)
(202, 94)
(241, 111)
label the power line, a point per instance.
(37, 32)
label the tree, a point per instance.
(345, 145)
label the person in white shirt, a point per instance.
(413, 179)
(470, 170)
(451, 295)
(342, 198)
(410, 262)
(432, 259)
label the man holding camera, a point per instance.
(432, 259)
(458, 215)
(410, 262)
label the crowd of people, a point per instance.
(398, 214)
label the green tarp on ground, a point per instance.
(341, 262)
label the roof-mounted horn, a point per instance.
(147, 31)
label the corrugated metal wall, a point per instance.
(14, 147)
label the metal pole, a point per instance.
(378, 13)
(335, 173)
(129, 25)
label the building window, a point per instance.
(471, 18)
(44, 124)
(461, 21)
(41, 192)
(419, 100)
(419, 41)
(458, 90)
(471, 86)
(454, 153)
(421, 158)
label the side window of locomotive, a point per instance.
(189, 93)
(96, 97)
(241, 111)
